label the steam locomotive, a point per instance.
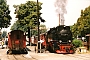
(58, 39)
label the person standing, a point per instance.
(6, 43)
(2, 43)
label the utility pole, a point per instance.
(29, 35)
(38, 27)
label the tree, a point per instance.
(4, 14)
(27, 13)
(77, 43)
(27, 16)
(74, 30)
(43, 28)
(82, 27)
(17, 26)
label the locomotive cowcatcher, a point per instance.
(17, 42)
(59, 40)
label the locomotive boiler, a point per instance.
(59, 39)
(17, 42)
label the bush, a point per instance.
(77, 43)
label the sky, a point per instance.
(73, 7)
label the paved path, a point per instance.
(42, 56)
(54, 56)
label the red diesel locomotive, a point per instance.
(17, 42)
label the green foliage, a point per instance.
(34, 32)
(27, 13)
(77, 43)
(43, 28)
(82, 27)
(17, 26)
(4, 14)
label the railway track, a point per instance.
(20, 57)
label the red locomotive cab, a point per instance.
(43, 38)
(33, 41)
(17, 41)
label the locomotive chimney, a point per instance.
(59, 19)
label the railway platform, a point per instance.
(54, 56)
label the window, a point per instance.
(18, 36)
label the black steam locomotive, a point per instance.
(59, 39)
